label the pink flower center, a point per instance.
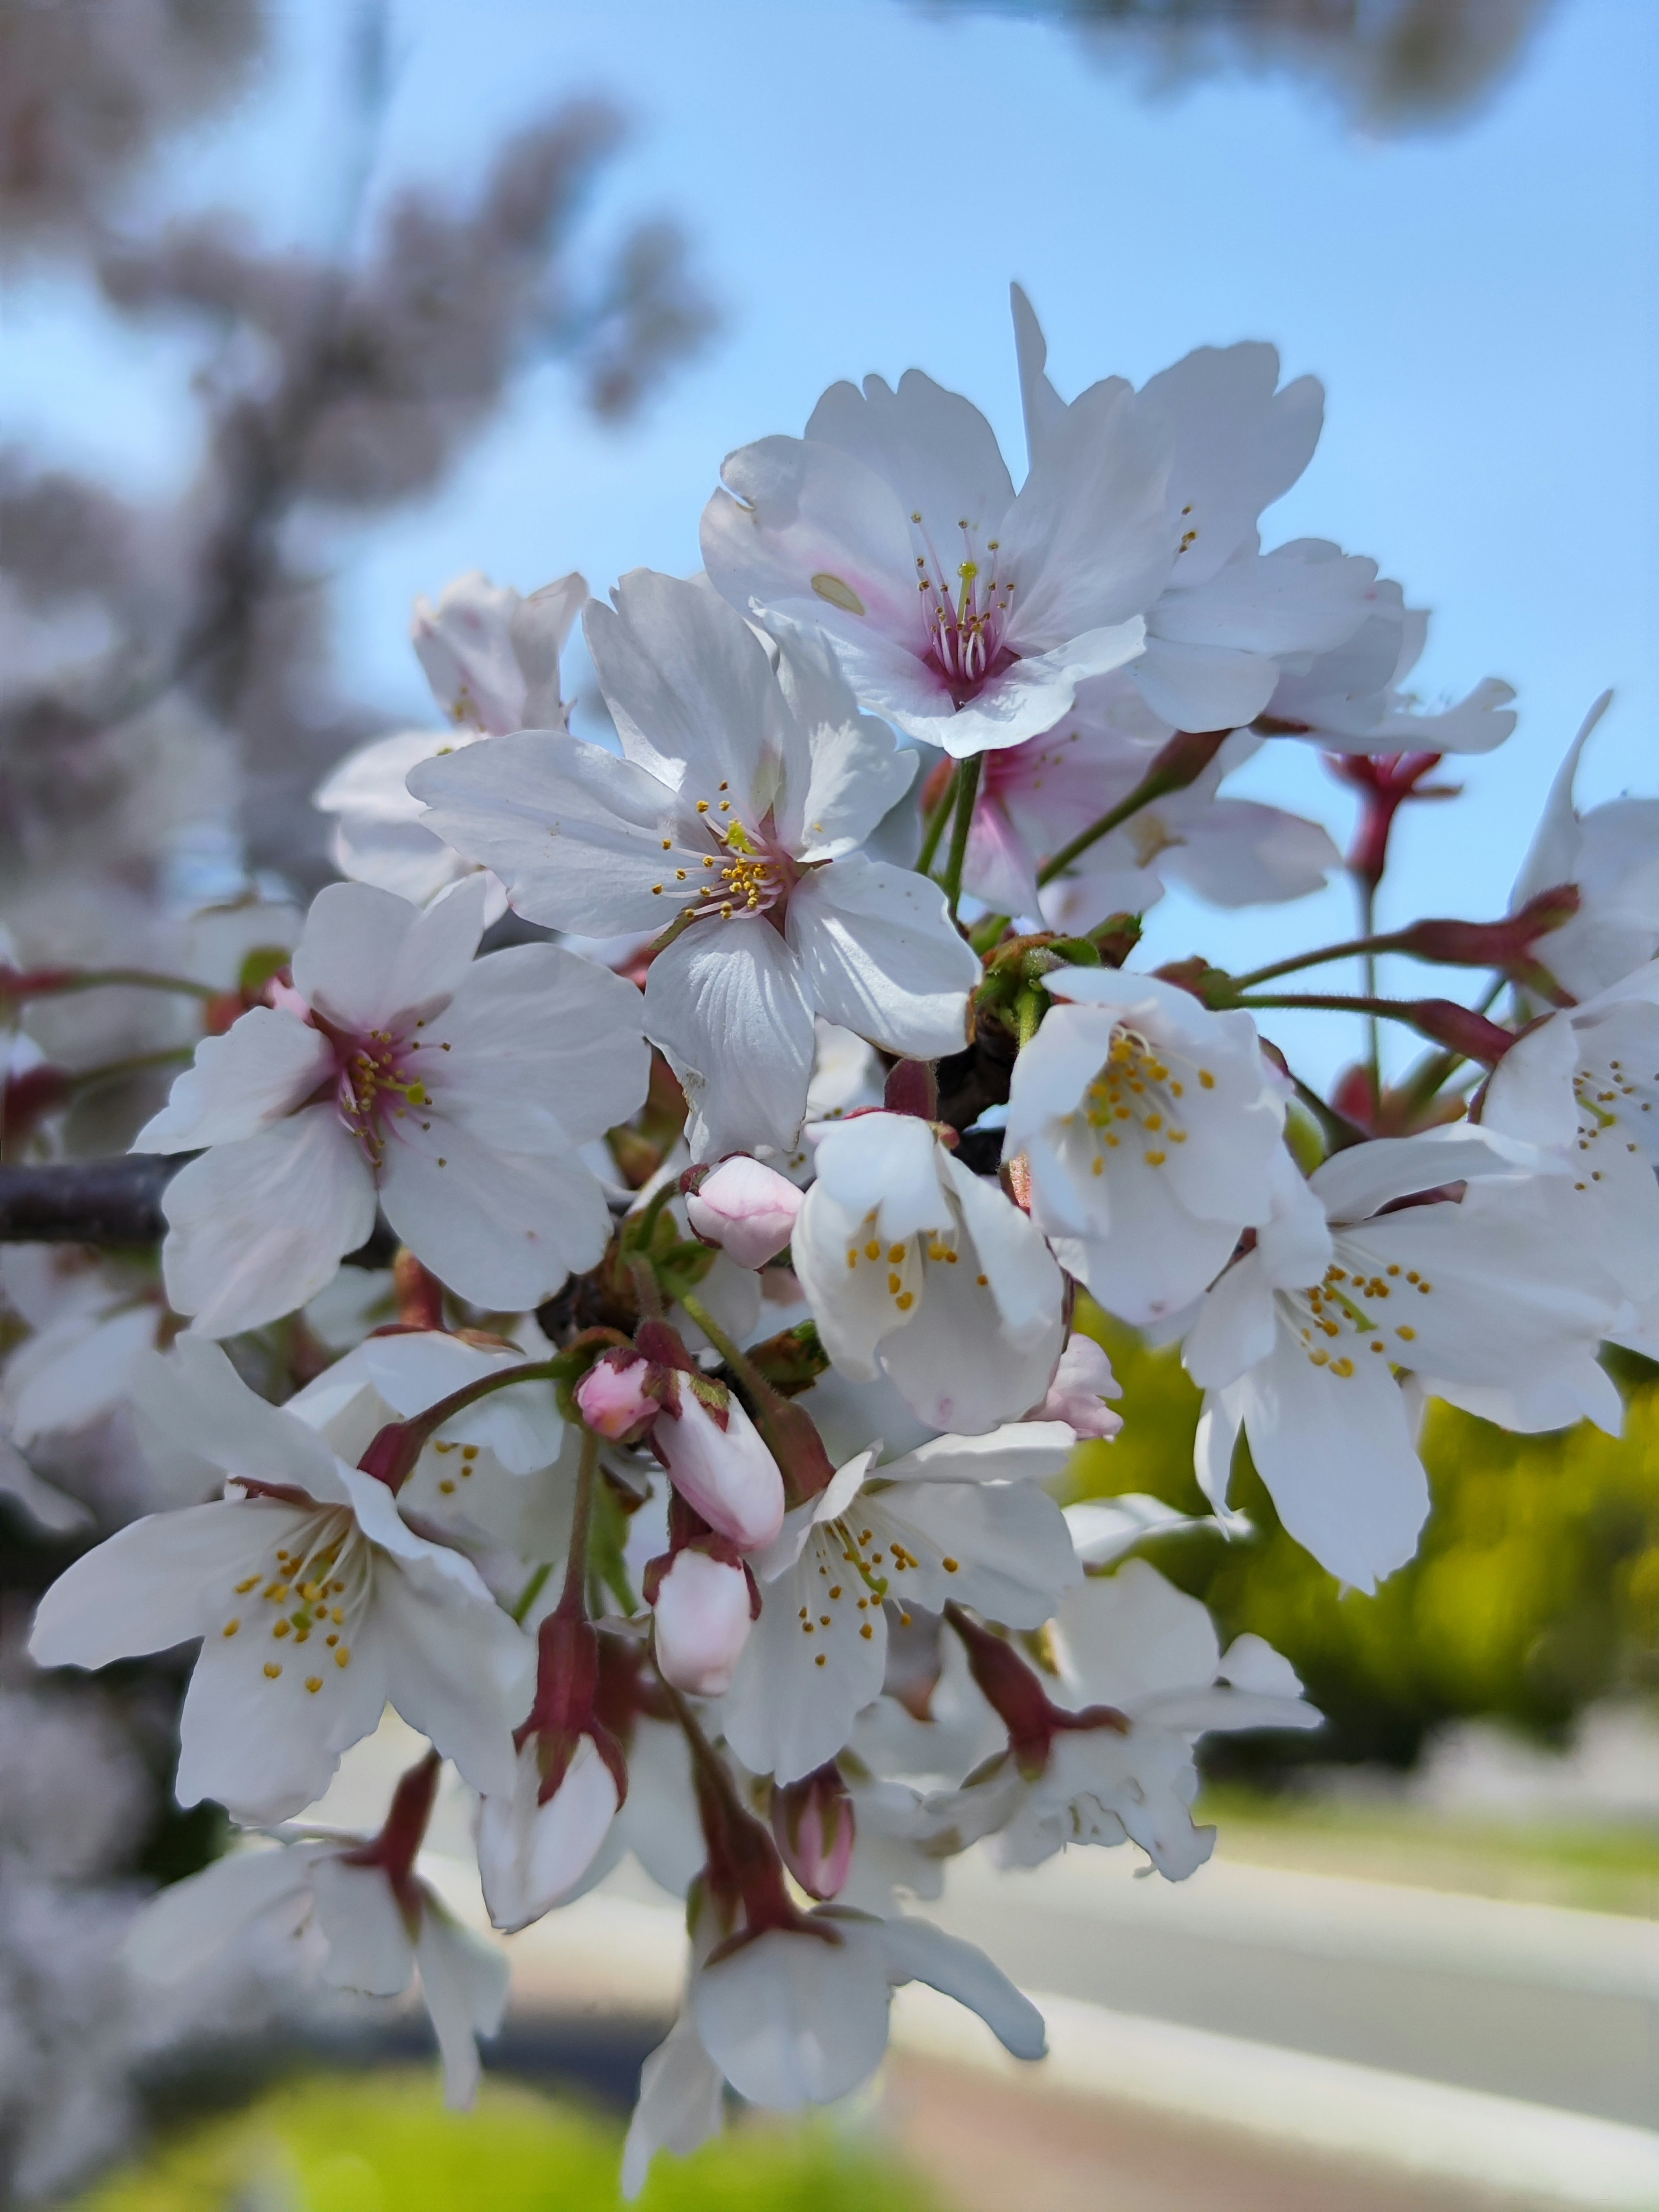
(964, 621)
(376, 1086)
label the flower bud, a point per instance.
(531, 1855)
(723, 1470)
(1083, 1380)
(747, 1209)
(703, 1616)
(617, 1396)
(812, 1821)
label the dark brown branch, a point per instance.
(114, 1203)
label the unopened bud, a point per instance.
(812, 1821)
(533, 1851)
(749, 1210)
(619, 1397)
(703, 1618)
(721, 1467)
(1461, 1029)
(1083, 1382)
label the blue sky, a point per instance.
(861, 179)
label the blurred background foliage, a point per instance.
(516, 2152)
(1534, 1591)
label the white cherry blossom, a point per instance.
(1132, 1642)
(1612, 854)
(1150, 1126)
(916, 1268)
(1035, 797)
(454, 1092)
(1299, 1345)
(800, 2016)
(960, 1517)
(371, 1938)
(1228, 614)
(736, 815)
(493, 662)
(965, 613)
(315, 1601)
(1353, 699)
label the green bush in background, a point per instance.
(1535, 1589)
(383, 2143)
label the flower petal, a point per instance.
(880, 956)
(263, 1066)
(255, 1229)
(728, 1006)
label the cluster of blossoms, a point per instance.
(694, 1490)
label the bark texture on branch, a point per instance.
(104, 1202)
(113, 1203)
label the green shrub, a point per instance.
(1534, 1591)
(383, 2143)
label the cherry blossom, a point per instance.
(1299, 1343)
(1150, 1126)
(399, 1071)
(965, 613)
(960, 1517)
(734, 816)
(916, 1267)
(493, 662)
(315, 1603)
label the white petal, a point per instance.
(1337, 1457)
(1236, 1326)
(150, 1585)
(531, 1857)
(790, 2019)
(880, 956)
(681, 2104)
(459, 1671)
(855, 775)
(255, 1229)
(1011, 1550)
(195, 1397)
(1353, 1184)
(69, 1376)
(183, 1926)
(690, 688)
(463, 1982)
(798, 1684)
(368, 1945)
(368, 958)
(727, 1004)
(369, 783)
(578, 836)
(504, 1232)
(915, 1951)
(1019, 1451)
(1130, 1635)
(1205, 687)
(266, 1064)
(541, 1050)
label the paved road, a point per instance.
(1556, 2006)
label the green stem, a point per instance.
(1373, 1027)
(113, 1071)
(733, 1354)
(647, 1289)
(638, 1232)
(986, 934)
(101, 979)
(1352, 950)
(968, 775)
(1336, 1002)
(532, 1590)
(936, 822)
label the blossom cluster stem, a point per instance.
(936, 822)
(1181, 761)
(966, 786)
(55, 982)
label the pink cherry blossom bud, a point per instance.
(1082, 1380)
(812, 1821)
(703, 1622)
(724, 1472)
(746, 1209)
(617, 1397)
